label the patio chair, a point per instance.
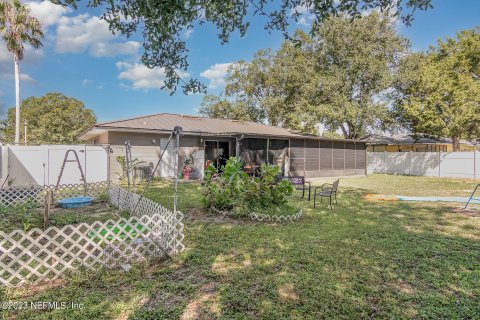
(299, 183)
(327, 190)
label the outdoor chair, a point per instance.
(327, 190)
(299, 183)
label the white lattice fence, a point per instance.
(172, 229)
(94, 189)
(19, 195)
(36, 194)
(29, 257)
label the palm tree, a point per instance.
(17, 27)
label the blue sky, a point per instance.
(82, 59)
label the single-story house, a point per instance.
(206, 140)
(406, 143)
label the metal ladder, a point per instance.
(77, 160)
(472, 197)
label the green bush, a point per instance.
(222, 190)
(20, 216)
(234, 190)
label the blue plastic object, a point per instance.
(439, 199)
(76, 202)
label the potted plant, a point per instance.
(187, 168)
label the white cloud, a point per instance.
(111, 49)
(26, 78)
(80, 33)
(143, 77)
(216, 74)
(86, 82)
(188, 33)
(31, 56)
(47, 12)
(89, 33)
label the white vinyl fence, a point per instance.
(152, 232)
(40, 165)
(435, 164)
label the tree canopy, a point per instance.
(52, 119)
(356, 64)
(438, 93)
(161, 23)
(338, 77)
(218, 107)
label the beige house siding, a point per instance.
(136, 139)
(146, 148)
(346, 157)
(100, 139)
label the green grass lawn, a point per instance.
(361, 260)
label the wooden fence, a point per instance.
(152, 232)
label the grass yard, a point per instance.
(361, 260)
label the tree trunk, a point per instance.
(456, 144)
(17, 100)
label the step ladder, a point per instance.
(77, 160)
(472, 196)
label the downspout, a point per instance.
(237, 145)
(268, 142)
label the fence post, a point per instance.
(439, 169)
(474, 164)
(410, 163)
(385, 162)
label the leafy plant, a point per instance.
(222, 190)
(21, 215)
(123, 163)
(267, 191)
(234, 190)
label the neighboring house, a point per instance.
(405, 143)
(208, 140)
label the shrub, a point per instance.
(123, 164)
(266, 192)
(234, 190)
(21, 215)
(222, 190)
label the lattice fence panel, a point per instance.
(18, 195)
(172, 229)
(94, 189)
(29, 257)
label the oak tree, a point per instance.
(51, 119)
(439, 91)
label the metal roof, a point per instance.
(195, 125)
